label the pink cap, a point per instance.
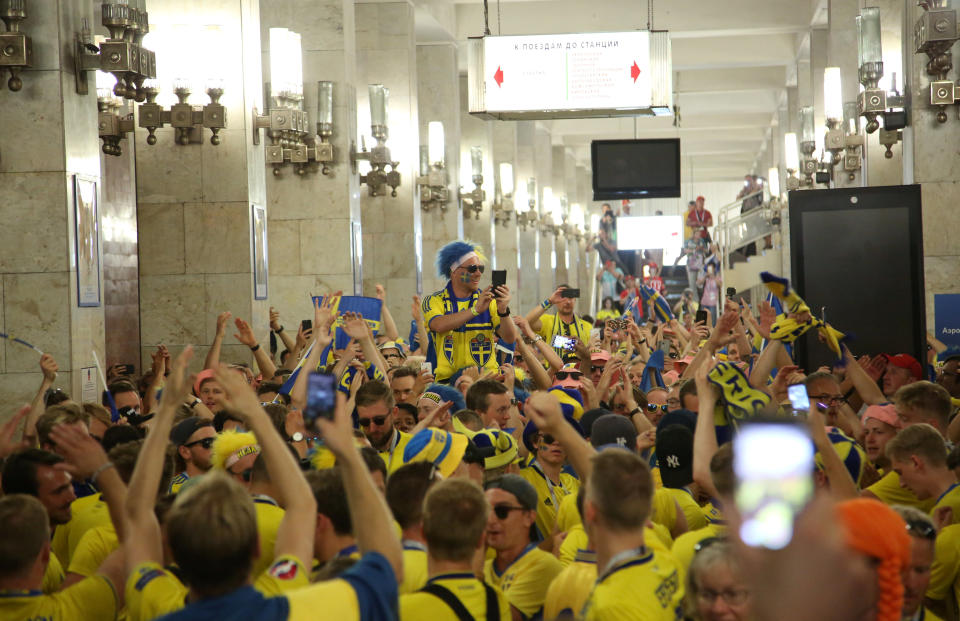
(671, 377)
(600, 356)
(685, 360)
(202, 376)
(885, 413)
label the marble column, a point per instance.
(818, 62)
(314, 219)
(505, 151)
(477, 132)
(387, 54)
(438, 98)
(49, 136)
(879, 169)
(842, 46)
(546, 263)
(938, 173)
(194, 202)
(561, 197)
(528, 239)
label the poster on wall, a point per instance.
(946, 313)
(88, 240)
(259, 241)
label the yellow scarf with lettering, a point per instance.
(786, 328)
(740, 399)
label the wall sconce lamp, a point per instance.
(791, 160)
(111, 125)
(16, 49)
(935, 33)
(286, 121)
(122, 54)
(433, 174)
(378, 178)
(503, 199)
(808, 145)
(529, 217)
(842, 139)
(873, 101)
(550, 217)
(188, 120)
(773, 183)
(573, 222)
(473, 200)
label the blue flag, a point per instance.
(369, 309)
(660, 306)
(652, 373)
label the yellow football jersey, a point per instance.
(94, 547)
(696, 518)
(465, 587)
(414, 566)
(525, 581)
(177, 482)
(950, 498)
(470, 345)
(393, 455)
(575, 540)
(570, 589)
(684, 547)
(549, 495)
(91, 598)
(269, 516)
(567, 514)
(888, 490)
(945, 571)
(67, 536)
(550, 327)
(664, 509)
(368, 590)
(53, 575)
(643, 586)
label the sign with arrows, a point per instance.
(601, 74)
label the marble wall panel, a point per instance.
(325, 246)
(284, 246)
(33, 124)
(35, 308)
(36, 223)
(221, 166)
(226, 292)
(161, 240)
(18, 389)
(170, 309)
(168, 173)
(217, 238)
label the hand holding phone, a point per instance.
(321, 397)
(564, 342)
(499, 278)
(799, 400)
(570, 293)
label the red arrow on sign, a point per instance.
(634, 72)
(498, 76)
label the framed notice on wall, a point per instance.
(86, 218)
(258, 218)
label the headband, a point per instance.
(252, 449)
(432, 396)
(464, 259)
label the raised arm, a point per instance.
(142, 532)
(446, 323)
(356, 328)
(423, 339)
(49, 368)
(533, 317)
(765, 365)
(296, 531)
(389, 326)
(705, 437)
(372, 521)
(540, 376)
(842, 485)
(212, 360)
(245, 335)
(866, 387)
(544, 410)
(508, 330)
(277, 328)
(322, 336)
(159, 367)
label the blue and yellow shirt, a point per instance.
(393, 455)
(470, 345)
(888, 490)
(550, 495)
(177, 482)
(950, 498)
(465, 587)
(570, 589)
(641, 585)
(525, 581)
(414, 566)
(696, 518)
(685, 546)
(269, 516)
(945, 571)
(91, 598)
(373, 372)
(67, 536)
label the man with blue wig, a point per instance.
(463, 318)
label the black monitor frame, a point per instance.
(662, 192)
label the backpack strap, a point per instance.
(450, 600)
(493, 606)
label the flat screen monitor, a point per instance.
(857, 255)
(636, 168)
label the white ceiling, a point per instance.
(730, 61)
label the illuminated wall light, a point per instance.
(791, 155)
(773, 179)
(832, 95)
(435, 142)
(506, 178)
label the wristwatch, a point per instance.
(504, 314)
(195, 403)
(296, 437)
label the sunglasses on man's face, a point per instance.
(562, 375)
(376, 420)
(596, 369)
(503, 511)
(473, 269)
(205, 443)
(653, 407)
(546, 438)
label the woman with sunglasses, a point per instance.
(462, 317)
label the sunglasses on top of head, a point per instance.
(474, 268)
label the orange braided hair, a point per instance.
(876, 530)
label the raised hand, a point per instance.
(355, 326)
(338, 433)
(483, 302)
(416, 311)
(244, 333)
(502, 294)
(222, 320)
(381, 293)
(238, 395)
(82, 452)
(556, 296)
(544, 410)
(49, 367)
(274, 319)
(8, 445)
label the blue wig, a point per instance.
(449, 254)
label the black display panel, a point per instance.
(635, 168)
(858, 252)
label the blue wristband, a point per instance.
(545, 304)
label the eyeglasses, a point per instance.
(732, 597)
(653, 407)
(562, 375)
(474, 268)
(830, 400)
(503, 511)
(922, 529)
(205, 443)
(595, 369)
(546, 438)
(673, 402)
(376, 420)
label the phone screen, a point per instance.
(499, 278)
(570, 293)
(773, 464)
(798, 397)
(701, 316)
(564, 342)
(306, 324)
(426, 366)
(321, 397)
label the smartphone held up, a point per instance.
(321, 397)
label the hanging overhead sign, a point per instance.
(570, 75)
